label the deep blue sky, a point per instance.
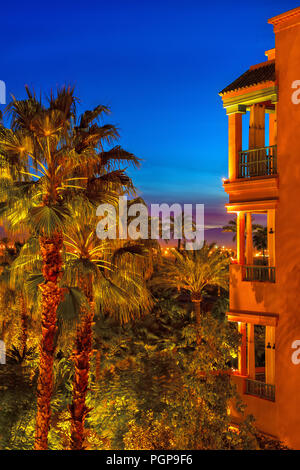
(159, 65)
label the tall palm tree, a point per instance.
(96, 268)
(49, 158)
(193, 272)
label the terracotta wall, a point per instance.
(252, 296)
(264, 411)
(288, 234)
(281, 419)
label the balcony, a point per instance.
(260, 389)
(258, 162)
(250, 296)
(258, 273)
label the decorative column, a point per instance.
(234, 144)
(270, 355)
(257, 126)
(271, 236)
(240, 237)
(242, 359)
(273, 127)
(251, 351)
(256, 160)
(249, 243)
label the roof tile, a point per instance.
(256, 74)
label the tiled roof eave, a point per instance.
(260, 73)
(234, 90)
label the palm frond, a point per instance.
(116, 156)
(68, 312)
(32, 284)
(49, 219)
(89, 116)
(64, 100)
(194, 271)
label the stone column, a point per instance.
(273, 127)
(271, 236)
(240, 237)
(251, 351)
(257, 126)
(256, 160)
(234, 144)
(249, 243)
(242, 359)
(270, 355)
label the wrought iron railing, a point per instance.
(258, 162)
(259, 273)
(260, 389)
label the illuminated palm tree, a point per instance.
(110, 278)
(49, 159)
(193, 272)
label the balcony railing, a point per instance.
(260, 389)
(258, 162)
(259, 273)
(260, 376)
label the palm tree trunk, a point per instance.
(82, 358)
(51, 296)
(24, 331)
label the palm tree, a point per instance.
(260, 238)
(230, 227)
(193, 272)
(96, 268)
(49, 158)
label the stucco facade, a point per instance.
(265, 179)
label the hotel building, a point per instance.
(264, 178)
